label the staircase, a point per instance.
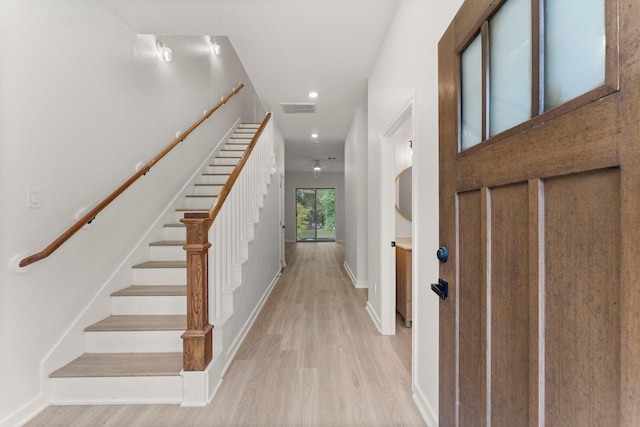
(135, 354)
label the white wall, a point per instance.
(295, 180)
(355, 187)
(407, 65)
(82, 101)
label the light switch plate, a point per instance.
(34, 198)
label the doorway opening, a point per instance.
(398, 143)
(397, 271)
(315, 214)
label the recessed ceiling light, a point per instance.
(314, 135)
(317, 142)
(313, 94)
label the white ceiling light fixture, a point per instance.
(215, 47)
(313, 94)
(314, 135)
(317, 169)
(165, 51)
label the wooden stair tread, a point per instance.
(122, 365)
(175, 224)
(148, 322)
(192, 210)
(209, 185)
(202, 195)
(169, 243)
(162, 264)
(152, 291)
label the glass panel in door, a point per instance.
(510, 66)
(471, 95)
(575, 45)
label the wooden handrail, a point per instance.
(90, 216)
(226, 189)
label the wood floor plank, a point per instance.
(313, 358)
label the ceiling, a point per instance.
(288, 48)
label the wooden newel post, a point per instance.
(197, 340)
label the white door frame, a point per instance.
(283, 261)
(388, 218)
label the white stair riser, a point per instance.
(239, 145)
(230, 154)
(111, 390)
(199, 202)
(206, 190)
(226, 161)
(219, 169)
(133, 341)
(174, 233)
(213, 179)
(124, 305)
(160, 253)
(159, 276)
(245, 134)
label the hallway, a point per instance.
(312, 358)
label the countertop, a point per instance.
(404, 243)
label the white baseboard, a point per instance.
(356, 284)
(374, 317)
(25, 413)
(351, 275)
(426, 410)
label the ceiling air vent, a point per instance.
(299, 108)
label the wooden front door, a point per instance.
(541, 326)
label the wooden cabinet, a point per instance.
(403, 281)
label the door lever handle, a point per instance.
(441, 288)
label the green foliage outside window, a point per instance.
(315, 214)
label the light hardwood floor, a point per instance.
(312, 358)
